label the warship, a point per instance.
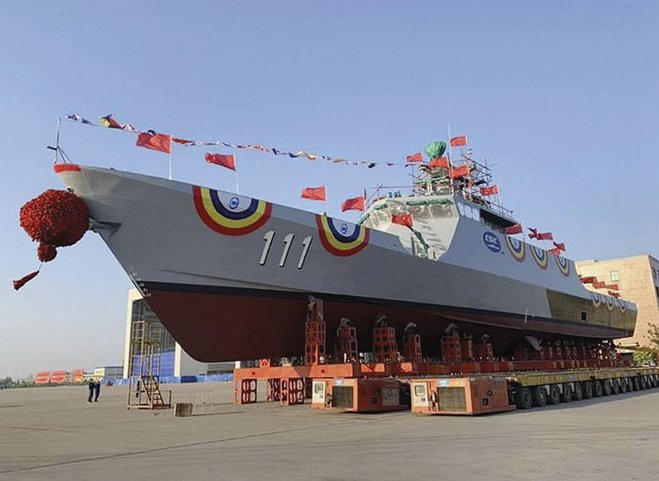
(230, 275)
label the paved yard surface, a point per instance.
(54, 434)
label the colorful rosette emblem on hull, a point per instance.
(230, 214)
(539, 256)
(563, 265)
(341, 238)
(516, 247)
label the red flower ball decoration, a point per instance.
(57, 217)
(46, 252)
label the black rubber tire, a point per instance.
(578, 391)
(588, 390)
(615, 385)
(624, 387)
(606, 387)
(524, 398)
(568, 393)
(636, 383)
(598, 390)
(554, 394)
(653, 380)
(539, 396)
(645, 383)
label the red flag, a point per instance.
(25, 279)
(440, 162)
(183, 141)
(555, 251)
(418, 157)
(153, 141)
(559, 246)
(225, 160)
(545, 236)
(614, 294)
(314, 193)
(613, 287)
(459, 172)
(460, 141)
(599, 285)
(513, 229)
(355, 203)
(403, 219)
(589, 279)
(490, 190)
(533, 234)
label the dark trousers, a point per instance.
(97, 392)
(91, 393)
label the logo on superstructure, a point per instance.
(230, 214)
(341, 238)
(516, 247)
(539, 256)
(492, 242)
(563, 265)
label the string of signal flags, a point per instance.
(162, 142)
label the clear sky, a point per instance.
(562, 96)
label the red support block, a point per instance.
(451, 351)
(345, 347)
(412, 347)
(385, 348)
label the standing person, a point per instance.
(92, 387)
(97, 389)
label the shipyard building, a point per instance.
(145, 331)
(636, 279)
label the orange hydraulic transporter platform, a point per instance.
(360, 395)
(467, 379)
(475, 395)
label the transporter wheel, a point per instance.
(623, 385)
(588, 389)
(524, 398)
(645, 382)
(606, 387)
(554, 394)
(539, 396)
(578, 391)
(598, 390)
(568, 393)
(615, 384)
(653, 380)
(636, 383)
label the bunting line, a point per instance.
(108, 122)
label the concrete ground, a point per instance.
(53, 434)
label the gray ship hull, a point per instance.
(229, 275)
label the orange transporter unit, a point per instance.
(360, 395)
(465, 395)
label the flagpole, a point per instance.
(450, 154)
(170, 162)
(59, 123)
(235, 173)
